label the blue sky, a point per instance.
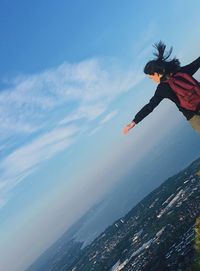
(70, 79)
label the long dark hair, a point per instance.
(160, 64)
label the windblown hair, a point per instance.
(160, 64)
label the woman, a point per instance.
(160, 70)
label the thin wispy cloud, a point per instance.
(25, 106)
(3, 202)
(95, 130)
(109, 117)
(89, 112)
(24, 160)
(142, 48)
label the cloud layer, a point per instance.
(39, 113)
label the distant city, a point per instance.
(157, 234)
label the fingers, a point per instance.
(128, 127)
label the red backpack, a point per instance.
(187, 90)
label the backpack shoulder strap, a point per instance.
(186, 78)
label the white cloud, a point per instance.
(26, 105)
(89, 112)
(109, 117)
(142, 45)
(47, 101)
(3, 202)
(24, 160)
(95, 130)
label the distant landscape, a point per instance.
(157, 234)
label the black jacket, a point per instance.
(164, 91)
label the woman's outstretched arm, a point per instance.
(146, 110)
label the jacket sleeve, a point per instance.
(148, 108)
(192, 67)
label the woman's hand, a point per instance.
(128, 127)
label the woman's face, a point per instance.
(155, 77)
